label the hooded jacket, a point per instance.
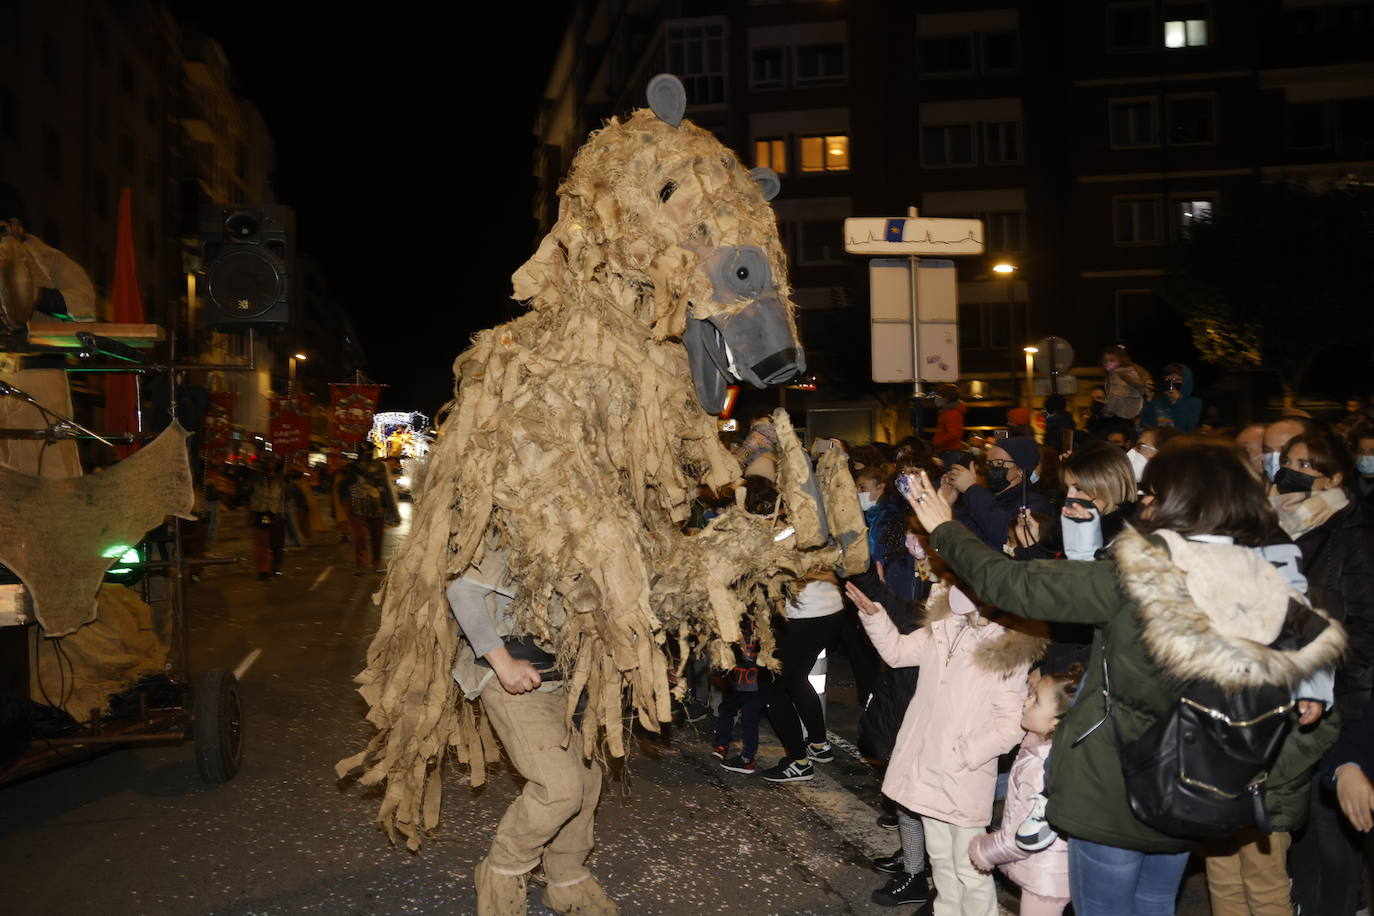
(949, 428)
(1183, 416)
(1161, 620)
(966, 711)
(1046, 872)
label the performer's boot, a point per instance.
(582, 898)
(498, 894)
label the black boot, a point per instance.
(903, 889)
(890, 865)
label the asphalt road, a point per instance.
(137, 832)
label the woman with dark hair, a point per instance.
(1318, 507)
(1184, 598)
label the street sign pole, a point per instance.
(913, 213)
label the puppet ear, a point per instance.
(768, 181)
(668, 98)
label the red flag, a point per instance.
(127, 306)
(351, 408)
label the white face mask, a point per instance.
(1082, 538)
(866, 501)
(1271, 464)
(960, 603)
(1138, 462)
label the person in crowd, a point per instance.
(966, 713)
(1356, 414)
(1121, 433)
(1276, 436)
(1059, 425)
(371, 506)
(949, 427)
(1175, 407)
(989, 510)
(1251, 439)
(882, 511)
(267, 508)
(1127, 385)
(1315, 484)
(295, 536)
(1092, 416)
(1347, 771)
(1164, 612)
(1101, 498)
(741, 698)
(913, 451)
(1019, 422)
(1151, 440)
(1362, 447)
(813, 620)
(1043, 874)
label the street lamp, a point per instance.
(291, 364)
(1009, 271)
(1030, 369)
(1003, 268)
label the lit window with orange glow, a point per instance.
(829, 153)
(771, 153)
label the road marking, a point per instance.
(321, 577)
(845, 812)
(247, 663)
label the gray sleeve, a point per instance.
(468, 601)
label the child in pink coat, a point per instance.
(965, 714)
(1043, 876)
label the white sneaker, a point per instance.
(1035, 833)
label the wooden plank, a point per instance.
(63, 333)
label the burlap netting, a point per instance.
(576, 437)
(61, 535)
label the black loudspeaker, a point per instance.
(246, 264)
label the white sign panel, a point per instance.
(937, 336)
(907, 235)
(939, 351)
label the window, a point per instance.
(991, 325)
(696, 53)
(100, 190)
(1307, 125)
(820, 65)
(1188, 211)
(821, 242)
(949, 145)
(52, 60)
(1133, 123)
(9, 115)
(947, 55)
(1130, 26)
(1002, 142)
(52, 153)
(769, 69)
(1185, 25)
(829, 153)
(1000, 52)
(1191, 120)
(1136, 220)
(1005, 231)
(771, 153)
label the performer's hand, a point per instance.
(864, 603)
(516, 675)
(1356, 796)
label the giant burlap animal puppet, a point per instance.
(575, 442)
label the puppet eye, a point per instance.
(666, 192)
(742, 273)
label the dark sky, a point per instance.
(404, 144)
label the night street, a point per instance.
(147, 836)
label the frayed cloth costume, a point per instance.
(574, 445)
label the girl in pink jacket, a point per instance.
(1043, 876)
(965, 714)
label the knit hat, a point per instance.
(1023, 451)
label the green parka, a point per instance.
(1157, 638)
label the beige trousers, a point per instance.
(961, 889)
(1247, 875)
(552, 817)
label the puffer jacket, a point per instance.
(1045, 872)
(966, 711)
(1157, 638)
(1338, 561)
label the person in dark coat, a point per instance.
(1319, 509)
(1347, 770)
(988, 511)
(1058, 421)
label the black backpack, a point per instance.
(1200, 769)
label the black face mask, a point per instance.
(1291, 481)
(1078, 501)
(997, 478)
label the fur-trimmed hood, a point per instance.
(1195, 630)
(1021, 642)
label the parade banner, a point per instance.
(219, 420)
(350, 411)
(291, 429)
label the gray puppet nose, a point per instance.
(780, 367)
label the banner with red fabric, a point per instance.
(291, 429)
(219, 421)
(350, 411)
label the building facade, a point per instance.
(1088, 136)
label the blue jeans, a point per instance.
(1107, 881)
(748, 703)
